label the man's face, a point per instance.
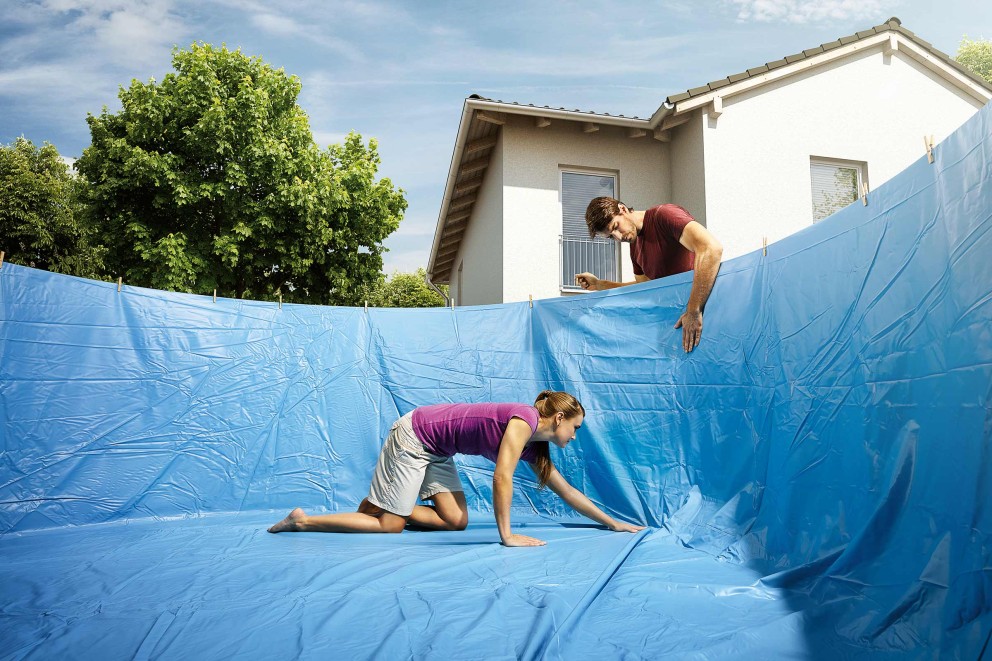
(621, 229)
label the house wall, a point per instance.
(687, 166)
(868, 107)
(481, 249)
(533, 159)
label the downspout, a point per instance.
(427, 279)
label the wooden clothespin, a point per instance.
(864, 193)
(764, 246)
(531, 300)
(120, 283)
(2, 253)
(928, 144)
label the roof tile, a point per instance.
(865, 33)
(794, 58)
(717, 84)
(756, 71)
(810, 52)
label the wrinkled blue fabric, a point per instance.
(815, 475)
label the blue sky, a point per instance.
(400, 71)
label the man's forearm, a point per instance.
(706, 267)
(609, 284)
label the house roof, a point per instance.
(478, 130)
(891, 25)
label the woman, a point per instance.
(416, 459)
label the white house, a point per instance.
(759, 154)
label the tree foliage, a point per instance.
(211, 179)
(404, 290)
(41, 220)
(976, 55)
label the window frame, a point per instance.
(860, 167)
(571, 288)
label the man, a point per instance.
(664, 240)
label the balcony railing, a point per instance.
(599, 257)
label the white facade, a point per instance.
(533, 159)
(869, 108)
(736, 155)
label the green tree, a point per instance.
(404, 290)
(41, 220)
(211, 179)
(976, 55)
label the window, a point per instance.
(836, 184)
(579, 253)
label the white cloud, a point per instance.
(131, 31)
(815, 11)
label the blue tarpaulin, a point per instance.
(816, 476)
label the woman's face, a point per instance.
(565, 432)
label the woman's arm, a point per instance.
(511, 446)
(581, 504)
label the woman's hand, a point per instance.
(620, 526)
(522, 540)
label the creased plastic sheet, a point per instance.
(816, 475)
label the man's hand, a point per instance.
(692, 329)
(522, 540)
(620, 526)
(587, 281)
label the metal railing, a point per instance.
(599, 257)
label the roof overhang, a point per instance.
(887, 42)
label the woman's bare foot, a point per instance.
(291, 522)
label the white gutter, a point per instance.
(550, 113)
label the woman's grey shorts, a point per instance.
(406, 470)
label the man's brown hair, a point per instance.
(600, 212)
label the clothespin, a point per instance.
(366, 307)
(452, 302)
(864, 193)
(2, 253)
(764, 246)
(120, 283)
(928, 144)
(215, 295)
(531, 300)
(280, 300)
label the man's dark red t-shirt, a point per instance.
(656, 252)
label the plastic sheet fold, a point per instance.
(816, 474)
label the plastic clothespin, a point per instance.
(928, 144)
(764, 246)
(864, 193)
(120, 283)
(366, 307)
(280, 301)
(531, 300)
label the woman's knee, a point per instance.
(391, 523)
